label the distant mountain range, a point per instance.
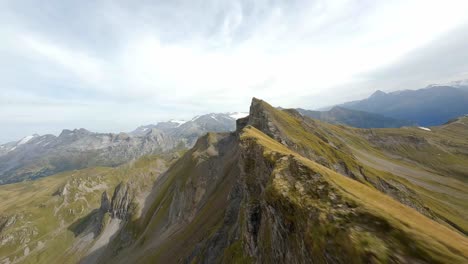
(355, 118)
(430, 106)
(38, 156)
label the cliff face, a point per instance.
(281, 189)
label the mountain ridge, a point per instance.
(355, 118)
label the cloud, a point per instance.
(85, 68)
(165, 59)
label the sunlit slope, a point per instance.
(433, 164)
(426, 170)
(431, 238)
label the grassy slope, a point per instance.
(41, 213)
(45, 213)
(312, 139)
(441, 155)
(440, 242)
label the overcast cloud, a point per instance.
(113, 65)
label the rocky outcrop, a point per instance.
(121, 205)
(122, 202)
(263, 120)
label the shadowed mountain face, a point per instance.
(38, 156)
(354, 118)
(428, 107)
(282, 188)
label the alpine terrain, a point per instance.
(281, 188)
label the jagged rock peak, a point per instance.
(262, 117)
(256, 115)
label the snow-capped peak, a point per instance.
(237, 115)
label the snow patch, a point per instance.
(214, 117)
(25, 140)
(178, 122)
(424, 128)
(237, 115)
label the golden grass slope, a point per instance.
(441, 242)
(428, 169)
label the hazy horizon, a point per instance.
(112, 66)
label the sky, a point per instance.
(110, 66)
